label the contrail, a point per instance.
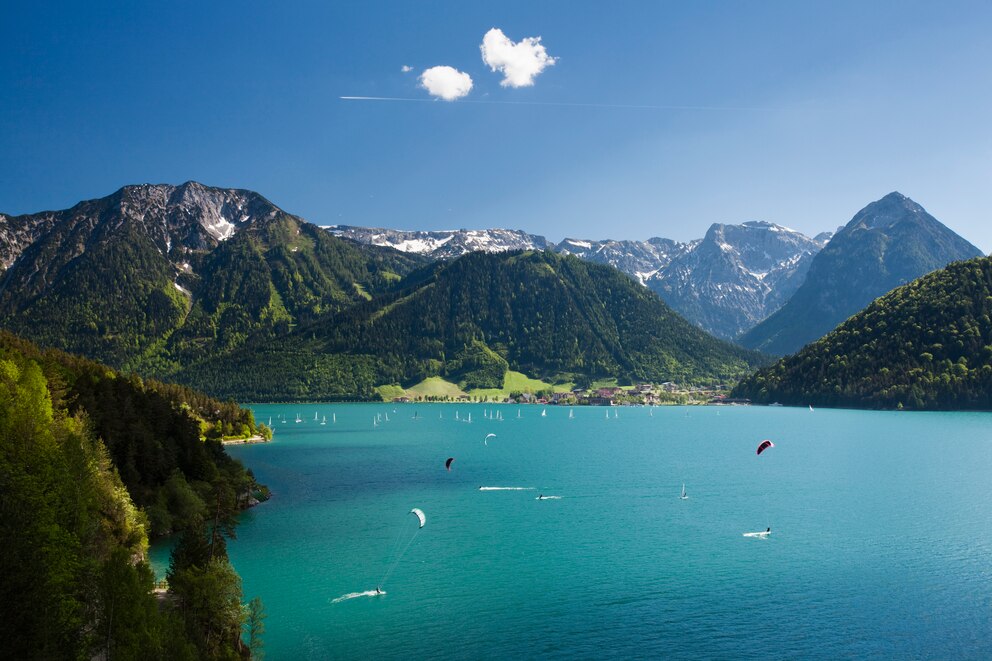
(626, 106)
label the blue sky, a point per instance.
(800, 112)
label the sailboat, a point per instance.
(544, 413)
(810, 408)
(616, 413)
(518, 414)
(283, 418)
(270, 420)
(324, 421)
(571, 414)
(334, 417)
(683, 496)
(298, 418)
(315, 416)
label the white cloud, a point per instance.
(446, 83)
(518, 62)
(406, 69)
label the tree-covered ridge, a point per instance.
(470, 320)
(153, 434)
(75, 534)
(926, 345)
(154, 277)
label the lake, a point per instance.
(881, 542)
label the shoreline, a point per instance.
(251, 440)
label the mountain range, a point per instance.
(173, 281)
(191, 282)
(726, 282)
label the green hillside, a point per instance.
(549, 316)
(926, 345)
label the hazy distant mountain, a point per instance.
(888, 243)
(924, 345)
(736, 275)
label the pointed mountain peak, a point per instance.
(888, 211)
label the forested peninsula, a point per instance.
(93, 464)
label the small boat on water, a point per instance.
(324, 421)
(683, 496)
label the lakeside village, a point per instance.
(644, 394)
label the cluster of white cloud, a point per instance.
(446, 82)
(406, 68)
(519, 63)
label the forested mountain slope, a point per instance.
(540, 313)
(925, 345)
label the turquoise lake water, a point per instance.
(881, 541)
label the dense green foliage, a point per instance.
(80, 448)
(888, 243)
(540, 313)
(926, 345)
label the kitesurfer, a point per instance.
(377, 590)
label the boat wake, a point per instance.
(763, 534)
(506, 488)
(356, 595)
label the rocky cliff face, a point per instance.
(736, 275)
